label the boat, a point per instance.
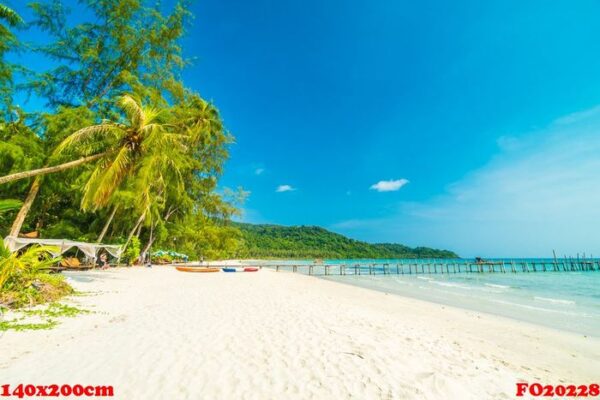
(226, 269)
(197, 269)
(250, 269)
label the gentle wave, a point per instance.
(493, 285)
(447, 284)
(547, 310)
(568, 301)
(556, 301)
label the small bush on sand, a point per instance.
(25, 278)
(132, 253)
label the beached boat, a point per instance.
(197, 269)
(250, 269)
(225, 269)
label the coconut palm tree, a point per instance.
(142, 139)
(143, 145)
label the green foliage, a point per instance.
(9, 205)
(6, 206)
(45, 318)
(274, 241)
(63, 229)
(124, 46)
(20, 150)
(132, 252)
(199, 236)
(164, 145)
(142, 145)
(25, 278)
(8, 15)
(27, 326)
(8, 41)
(55, 310)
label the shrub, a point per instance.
(132, 253)
(26, 280)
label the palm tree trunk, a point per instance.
(138, 223)
(152, 237)
(20, 218)
(139, 230)
(148, 245)
(105, 229)
(49, 170)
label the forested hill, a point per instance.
(275, 241)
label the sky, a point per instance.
(465, 125)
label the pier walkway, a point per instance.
(439, 267)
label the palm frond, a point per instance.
(106, 179)
(30, 262)
(9, 205)
(91, 186)
(133, 109)
(10, 16)
(89, 134)
(153, 115)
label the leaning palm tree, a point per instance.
(125, 149)
(140, 121)
(117, 148)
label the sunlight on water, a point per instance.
(563, 300)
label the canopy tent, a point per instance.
(171, 253)
(89, 249)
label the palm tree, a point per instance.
(144, 144)
(118, 148)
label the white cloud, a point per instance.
(389, 186)
(259, 171)
(540, 192)
(284, 188)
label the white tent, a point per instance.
(89, 249)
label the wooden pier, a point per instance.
(441, 267)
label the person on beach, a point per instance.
(103, 262)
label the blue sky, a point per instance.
(465, 125)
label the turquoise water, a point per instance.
(562, 300)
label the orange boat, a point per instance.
(197, 269)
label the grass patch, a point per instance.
(55, 310)
(42, 318)
(17, 326)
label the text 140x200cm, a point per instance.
(27, 390)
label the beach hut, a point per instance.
(91, 250)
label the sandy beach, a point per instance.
(162, 334)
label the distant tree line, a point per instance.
(274, 241)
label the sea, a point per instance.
(568, 301)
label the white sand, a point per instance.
(163, 334)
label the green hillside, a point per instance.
(275, 241)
